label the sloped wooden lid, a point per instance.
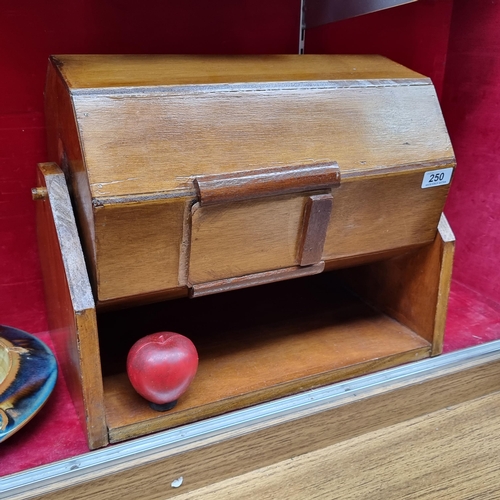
(150, 124)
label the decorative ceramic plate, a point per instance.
(28, 373)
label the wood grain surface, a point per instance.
(135, 142)
(244, 238)
(97, 71)
(250, 280)
(452, 453)
(138, 247)
(64, 148)
(373, 214)
(70, 305)
(254, 345)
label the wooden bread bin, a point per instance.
(213, 173)
(189, 176)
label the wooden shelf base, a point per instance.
(304, 333)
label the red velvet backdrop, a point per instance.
(415, 35)
(471, 106)
(466, 72)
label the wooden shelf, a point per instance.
(254, 345)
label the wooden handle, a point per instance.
(274, 181)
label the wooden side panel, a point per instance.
(374, 214)
(70, 306)
(445, 243)
(138, 247)
(412, 288)
(244, 238)
(63, 146)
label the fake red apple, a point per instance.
(161, 366)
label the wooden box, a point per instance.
(191, 176)
(202, 174)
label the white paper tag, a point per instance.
(437, 178)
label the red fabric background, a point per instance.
(471, 106)
(415, 35)
(466, 74)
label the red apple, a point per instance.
(161, 366)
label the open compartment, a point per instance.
(254, 344)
